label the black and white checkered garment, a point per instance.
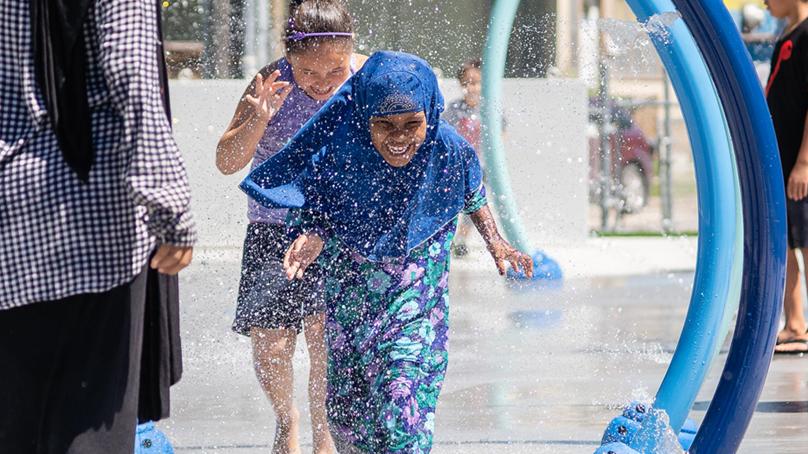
(59, 236)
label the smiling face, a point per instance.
(321, 70)
(398, 137)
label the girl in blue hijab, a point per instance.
(379, 180)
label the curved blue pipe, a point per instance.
(495, 54)
(712, 155)
(762, 185)
(763, 211)
(736, 279)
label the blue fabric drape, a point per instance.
(331, 166)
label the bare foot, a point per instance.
(323, 443)
(287, 434)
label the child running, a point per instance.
(787, 96)
(284, 95)
(464, 115)
(381, 181)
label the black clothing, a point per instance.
(72, 373)
(61, 73)
(161, 365)
(787, 96)
(787, 93)
(266, 298)
(797, 214)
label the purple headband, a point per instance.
(297, 36)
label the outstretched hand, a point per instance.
(503, 253)
(268, 96)
(302, 253)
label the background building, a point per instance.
(230, 38)
(570, 39)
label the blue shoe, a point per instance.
(150, 440)
(615, 448)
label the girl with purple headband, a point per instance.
(379, 180)
(318, 59)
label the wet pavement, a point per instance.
(530, 370)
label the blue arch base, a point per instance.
(641, 429)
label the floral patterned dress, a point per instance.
(387, 334)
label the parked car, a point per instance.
(632, 156)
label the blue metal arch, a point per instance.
(764, 216)
(763, 203)
(715, 180)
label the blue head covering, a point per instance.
(332, 167)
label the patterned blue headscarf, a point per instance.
(331, 166)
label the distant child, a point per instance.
(272, 311)
(381, 180)
(464, 115)
(787, 96)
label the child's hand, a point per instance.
(503, 252)
(500, 249)
(268, 96)
(302, 253)
(797, 186)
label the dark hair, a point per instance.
(316, 16)
(474, 63)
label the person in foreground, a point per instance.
(91, 182)
(380, 180)
(788, 102)
(319, 57)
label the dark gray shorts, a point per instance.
(266, 299)
(797, 223)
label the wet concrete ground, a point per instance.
(529, 371)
